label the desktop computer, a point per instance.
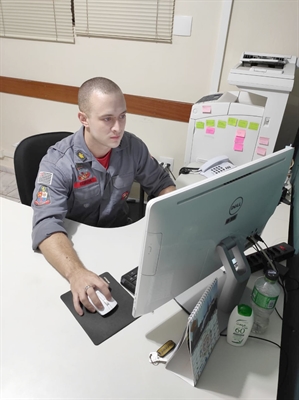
(202, 230)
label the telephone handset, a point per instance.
(215, 165)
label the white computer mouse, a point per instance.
(108, 305)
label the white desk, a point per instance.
(45, 354)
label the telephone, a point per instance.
(215, 165)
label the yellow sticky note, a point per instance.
(232, 121)
(199, 125)
(221, 124)
(253, 125)
(210, 122)
(242, 123)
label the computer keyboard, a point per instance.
(128, 280)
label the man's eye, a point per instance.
(108, 119)
(122, 116)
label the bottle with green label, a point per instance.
(264, 297)
(239, 325)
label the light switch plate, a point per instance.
(182, 25)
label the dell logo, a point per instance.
(236, 205)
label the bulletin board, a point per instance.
(234, 136)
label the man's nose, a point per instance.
(116, 126)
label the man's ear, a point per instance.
(83, 118)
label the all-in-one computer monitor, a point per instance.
(194, 231)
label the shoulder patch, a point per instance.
(43, 196)
(45, 178)
(125, 195)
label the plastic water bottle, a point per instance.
(264, 297)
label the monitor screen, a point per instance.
(192, 232)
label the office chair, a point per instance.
(27, 157)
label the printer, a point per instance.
(242, 124)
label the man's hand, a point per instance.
(84, 283)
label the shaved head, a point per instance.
(99, 84)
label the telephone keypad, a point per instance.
(217, 169)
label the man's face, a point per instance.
(105, 122)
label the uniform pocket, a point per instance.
(86, 191)
(123, 181)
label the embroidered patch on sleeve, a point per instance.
(125, 195)
(45, 178)
(43, 196)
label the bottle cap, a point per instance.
(271, 274)
(244, 310)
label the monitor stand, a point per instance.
(232, 280)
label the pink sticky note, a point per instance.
(206, 109)
(261, 151)
(264, 141)
(239, 140)
(210, 130)
(241, 133)
(238, 146)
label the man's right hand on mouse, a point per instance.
(84, 283)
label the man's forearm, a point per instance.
(59, 252)
(167, 190)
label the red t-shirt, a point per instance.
(105, 160)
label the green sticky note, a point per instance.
(232, 121)
(210, 122)
(221, 124)
(199, 125)
(254, 126)
(242, 123)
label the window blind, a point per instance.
(49, 20)
(147, 20)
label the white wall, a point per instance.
(266, 26)
(182, 71)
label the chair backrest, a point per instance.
(27, 157)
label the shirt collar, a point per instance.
(81, 152)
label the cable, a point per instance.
(166, 167)
(169, 171)
(278, 314)
(281, 350)
(265, 340)
(263, 252)
(271, 262)
(256, 337)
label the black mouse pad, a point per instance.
(99, 328)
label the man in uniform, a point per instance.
(87, 177)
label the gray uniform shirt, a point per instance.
(71, 183)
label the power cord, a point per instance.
(167, 168)
(256, 337)
(260, 250)
(274, 343)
